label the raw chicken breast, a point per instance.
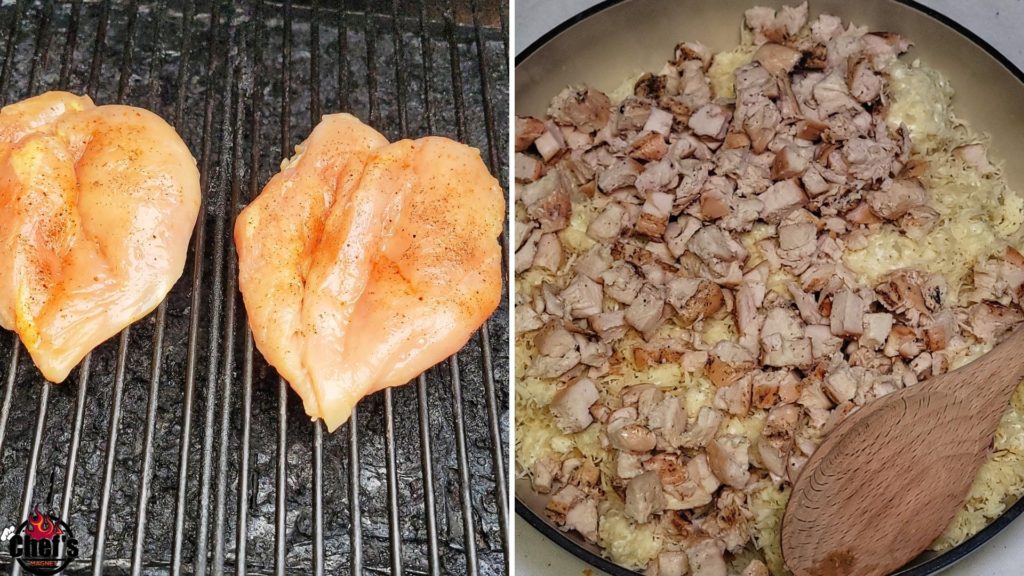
(364, 263)
(97, 205)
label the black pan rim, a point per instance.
(930, 567)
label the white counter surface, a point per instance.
(996, 21)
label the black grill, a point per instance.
(174, 448)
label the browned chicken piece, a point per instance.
(755, 568)
(654, 214)
(895, 200)
(876, 330)
(528, 168)
(608, 224)
(581, 106)
(782, 198)
(771, 26)
(729, 362)
(865, 84)
(632, 437)
(783, 341)
(670, 563)
(840, 384)
(903, 341)
(550, 143)
(549, 253)
(789, 162)
(610, 325)
(711, 120)
(735, 398)
(620, 174)
(833, 96)
(976, 157)
(647, 312)
(571, 406)
(547, 202)
(910, 293)
(939, 330)
(648, 146)
(644, 497)
(703, 430)
(707, 558)
(919, 221)
(777, 59)
(528, 129)
(582, 297)
(693, 299)
(847, 318)
(988, 321)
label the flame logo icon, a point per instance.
(41, 526)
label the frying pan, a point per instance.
(618, 39)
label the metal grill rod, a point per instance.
(99, 547)
(281, 512)
(156, 60)
(426, 454)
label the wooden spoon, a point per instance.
(891, 477)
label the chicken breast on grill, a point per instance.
(364, 263)
(97, 205)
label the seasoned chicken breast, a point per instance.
(364, 263)
(97, 205)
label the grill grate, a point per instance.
(174, 448)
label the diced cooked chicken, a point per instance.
(789, 162)
(735, 398)
(623, 172)
(876, 329)
(582, 297)
(693, 299)
(644, 497)
(550, 143)
(840, 384)
(903, 341)
(783, 341)
(669, 563)
(622, 282)
(780, 199)
(678, 234)
(571, 405)
(646, 313)
(581, 106)
(548, 253)
(607, 226)
(919, 221)
(528, 168)
(711, 120)
(847, 317)
(712, 245)
(897, 199)
(528, 129)
(703, 430)
(776, 58)
(988, 321)
(975, 156)
(865, 84)
(547, 202)
(648, 146)
(610, 325)
(833, 95)
(583, 518)
(910, 293)
(729, 362)
(729, 459)
(939, 330)
(668, 419)
(756, 568)
(707, 558)
(774, 444)
(654, 214)
(632, 437)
